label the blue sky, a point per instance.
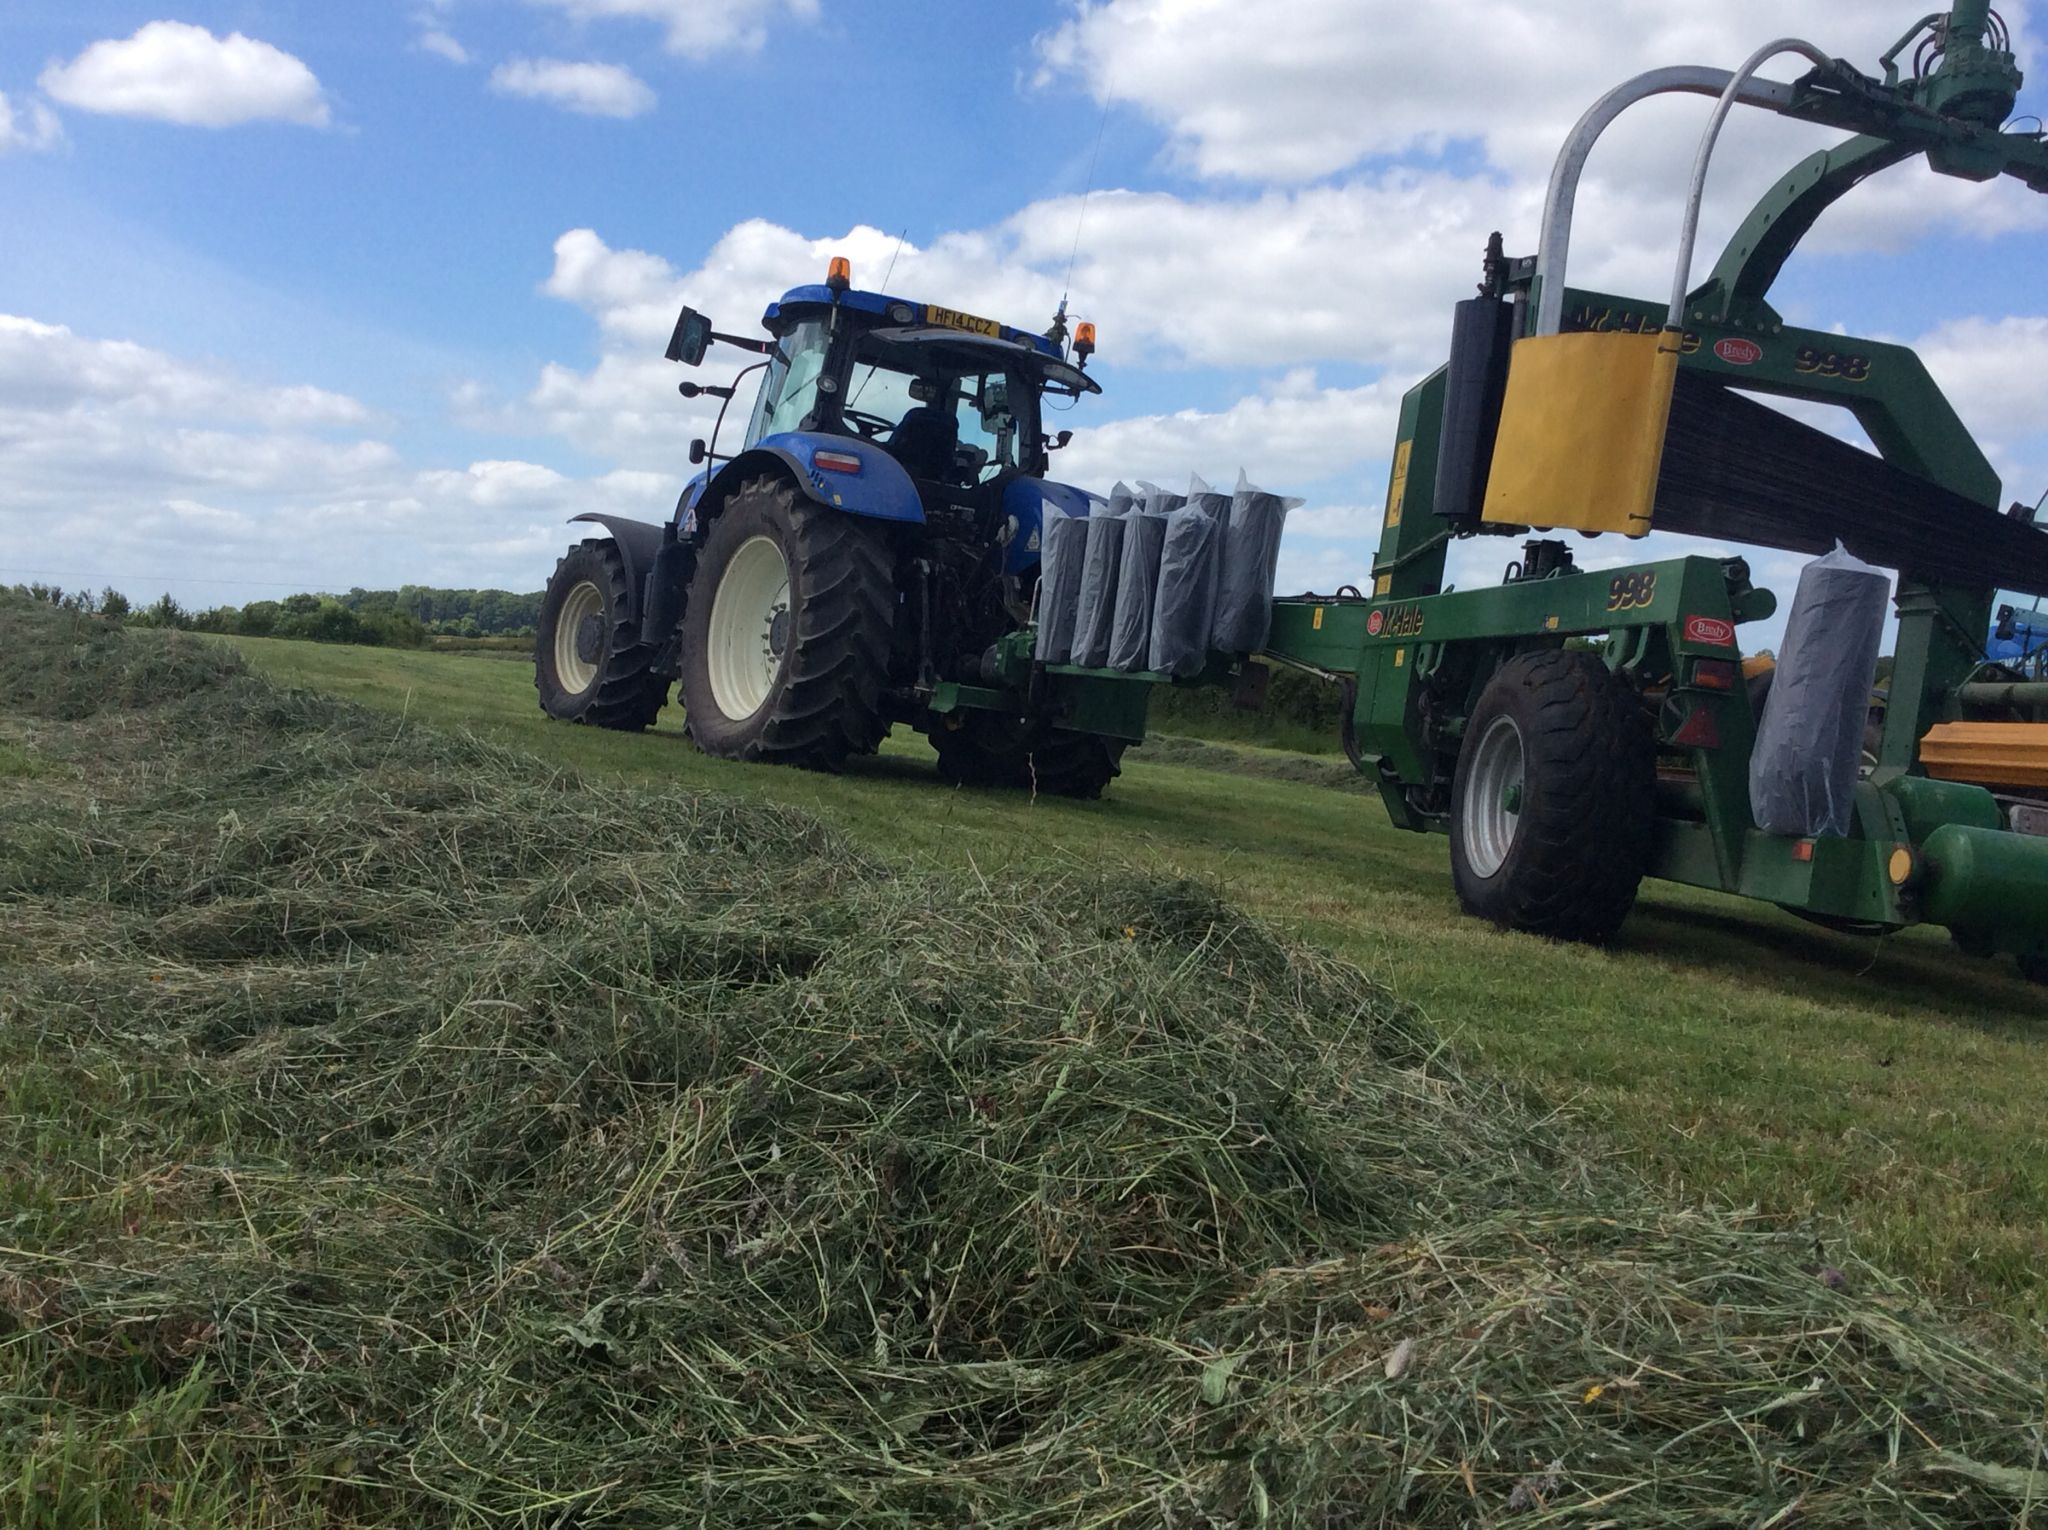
(314, 294)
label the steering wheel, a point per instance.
(869, 427)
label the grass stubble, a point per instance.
(396, 1130)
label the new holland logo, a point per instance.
(1738, 352)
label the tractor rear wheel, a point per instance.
(589, 664)
(988, 750)
(786, 637)
(1552, 805)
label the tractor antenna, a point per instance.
(892, 256)
(1081, 217)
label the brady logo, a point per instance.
(1739, 353)
(1710, 629)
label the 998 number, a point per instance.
(1831, 364)
(1627, 591)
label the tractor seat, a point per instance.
(925, 441)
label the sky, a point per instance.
(315, 295)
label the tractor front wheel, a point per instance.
(589, 664)
(1552, 805)
(786, 638)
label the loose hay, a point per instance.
(399, 1132)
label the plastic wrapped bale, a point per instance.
(1809, 742)
(1137, 585)
(1217, 507)
(1249, 561)
(1095, 613)
(1183, 606)
(1157, 500)
(1123, 498)
(1062, 552)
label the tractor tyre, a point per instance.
(987, 750)
(786, 637)
(589, 664)
(1552, 805)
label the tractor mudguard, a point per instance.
(879, 489)
(1024, 502)
(638, 543)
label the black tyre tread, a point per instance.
(1060, 764)
(629, 694)
(1583, 838)
(830, 702)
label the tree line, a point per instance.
(407, 617)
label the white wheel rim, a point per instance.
(748, 631)
(1493, 797)
(576, 673)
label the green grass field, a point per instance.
(1730, 1050)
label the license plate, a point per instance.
(952, 318)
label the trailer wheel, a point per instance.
(1552, 804)
(589, 664)
(786, 637)
(988, 750)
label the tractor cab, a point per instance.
(955, 400)
(958, 402)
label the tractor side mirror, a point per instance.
(698, 451)
(692, 338)
(2008, 624)
(1062, 439)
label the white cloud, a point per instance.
(47, 369)
(180, 73)
(32, 128)
(1265, 93)
(176, 473)
(596, 90)
(696, 28)
(439, 43)
(1294, 433)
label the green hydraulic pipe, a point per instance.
(2004, 693)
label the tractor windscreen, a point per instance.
(946, 417)
(789, 385)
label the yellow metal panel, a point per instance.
(1397, 483)
(1582, 431)
(1987, 754)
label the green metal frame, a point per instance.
(1420, 655)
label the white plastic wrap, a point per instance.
(1183, 606)
(1809, 742)
(1250, 560)
(1217, 507)
(1095, 612)
(1063, 550)
(1157, 500)
(1137, 586)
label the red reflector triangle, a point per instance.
(1700, 731)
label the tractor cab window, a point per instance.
(789, 385)
(988, 428)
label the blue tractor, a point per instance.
(856, 562)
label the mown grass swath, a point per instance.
(397, 1131)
